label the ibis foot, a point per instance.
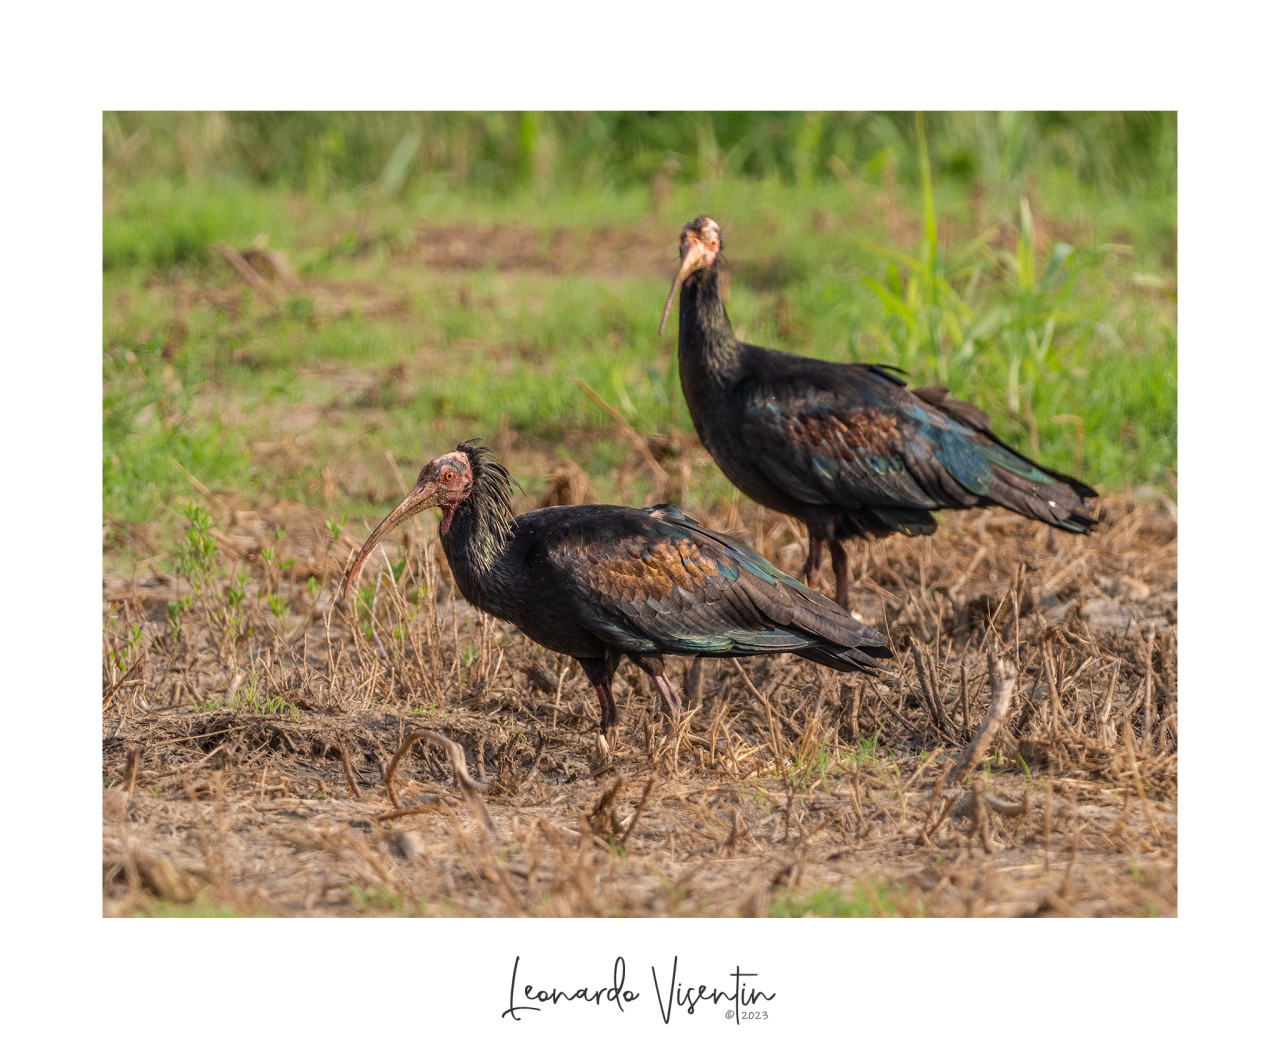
(601, 756)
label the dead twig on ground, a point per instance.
(250, 275)
(351, 775)
(1002, 682)
(470, 785)
(449, 746)
(128, 679)
(1003, 675)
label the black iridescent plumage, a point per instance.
(600, 583)
(848, 449)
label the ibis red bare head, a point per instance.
(699, 247)
(445, 482)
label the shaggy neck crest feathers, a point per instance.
(484, 520)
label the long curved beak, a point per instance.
(694, 259)
(415, 502)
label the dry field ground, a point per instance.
(246, 742)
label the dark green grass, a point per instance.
(402, 155)
(378, 353)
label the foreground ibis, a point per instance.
(847, 449)
(600, 583)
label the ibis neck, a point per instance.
(710, 354)
(481, 527)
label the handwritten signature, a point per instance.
(678, 996)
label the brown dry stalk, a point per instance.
(661, 482)
(351, 775)
(1055, 698)
(857, 801)
(1107, 729)
(1137, 781)
(131, 769)
(635, 816)
(774, 737)
(929, 687)
(601, 819)
(1048, 822)
(400, 813)
(735, 828)
(449, 746)
(192, 480)
(395, 470)
(251, 276)
(1001, 701)
(981, 821)
(1004, 675)
(921, 770)
(1147, 694)
(125, 680)
(537, 758)
(214, 861)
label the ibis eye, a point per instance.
(449, 474)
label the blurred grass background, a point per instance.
(451, 275)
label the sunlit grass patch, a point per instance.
(862, 900)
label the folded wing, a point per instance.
(656, 581)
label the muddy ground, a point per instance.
(246, 745)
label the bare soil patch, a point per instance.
(605, 251)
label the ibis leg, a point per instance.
(600, 675)
(693, 682)
(840, 566)
(813, 562)
(669, 700)
(608, 713)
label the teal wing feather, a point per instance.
(855, 437)
(656, 581)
